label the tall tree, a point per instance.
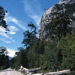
(4, 59)
(20, 59)
(2, 15)
(29, 36)
(66, 48)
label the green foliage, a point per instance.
(35, 54)
(20, 59)
(66, 48)
(50, 56)
(27, 40)
(4, 60)
(29, 36)
(70, 9)
(32, 27)
(2, 15)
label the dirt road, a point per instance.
(6, 72)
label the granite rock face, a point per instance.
(67, 1)
(47, 16)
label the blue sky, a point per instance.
(20, 13)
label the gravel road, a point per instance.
(6, 72)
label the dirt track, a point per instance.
(10, 73)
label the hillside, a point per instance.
(66, 7)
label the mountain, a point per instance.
(66, 1)
(64, 6)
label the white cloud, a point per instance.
(6, 37)
(2, 32)
(13, 30)
(19, 23)
(36, 18)
(11, 52)
(33, 10)
(4, 40)
(7, 40)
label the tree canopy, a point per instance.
(4, 59)
(2, 16)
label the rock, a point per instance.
(47, 16)
(66, 1)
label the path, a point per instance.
(10, 72)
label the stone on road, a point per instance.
(10, 73)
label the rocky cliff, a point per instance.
(65, 6)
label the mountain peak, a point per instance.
(67, 1)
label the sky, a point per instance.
(20, 13)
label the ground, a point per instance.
(10, 72)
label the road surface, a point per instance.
(10, 72)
